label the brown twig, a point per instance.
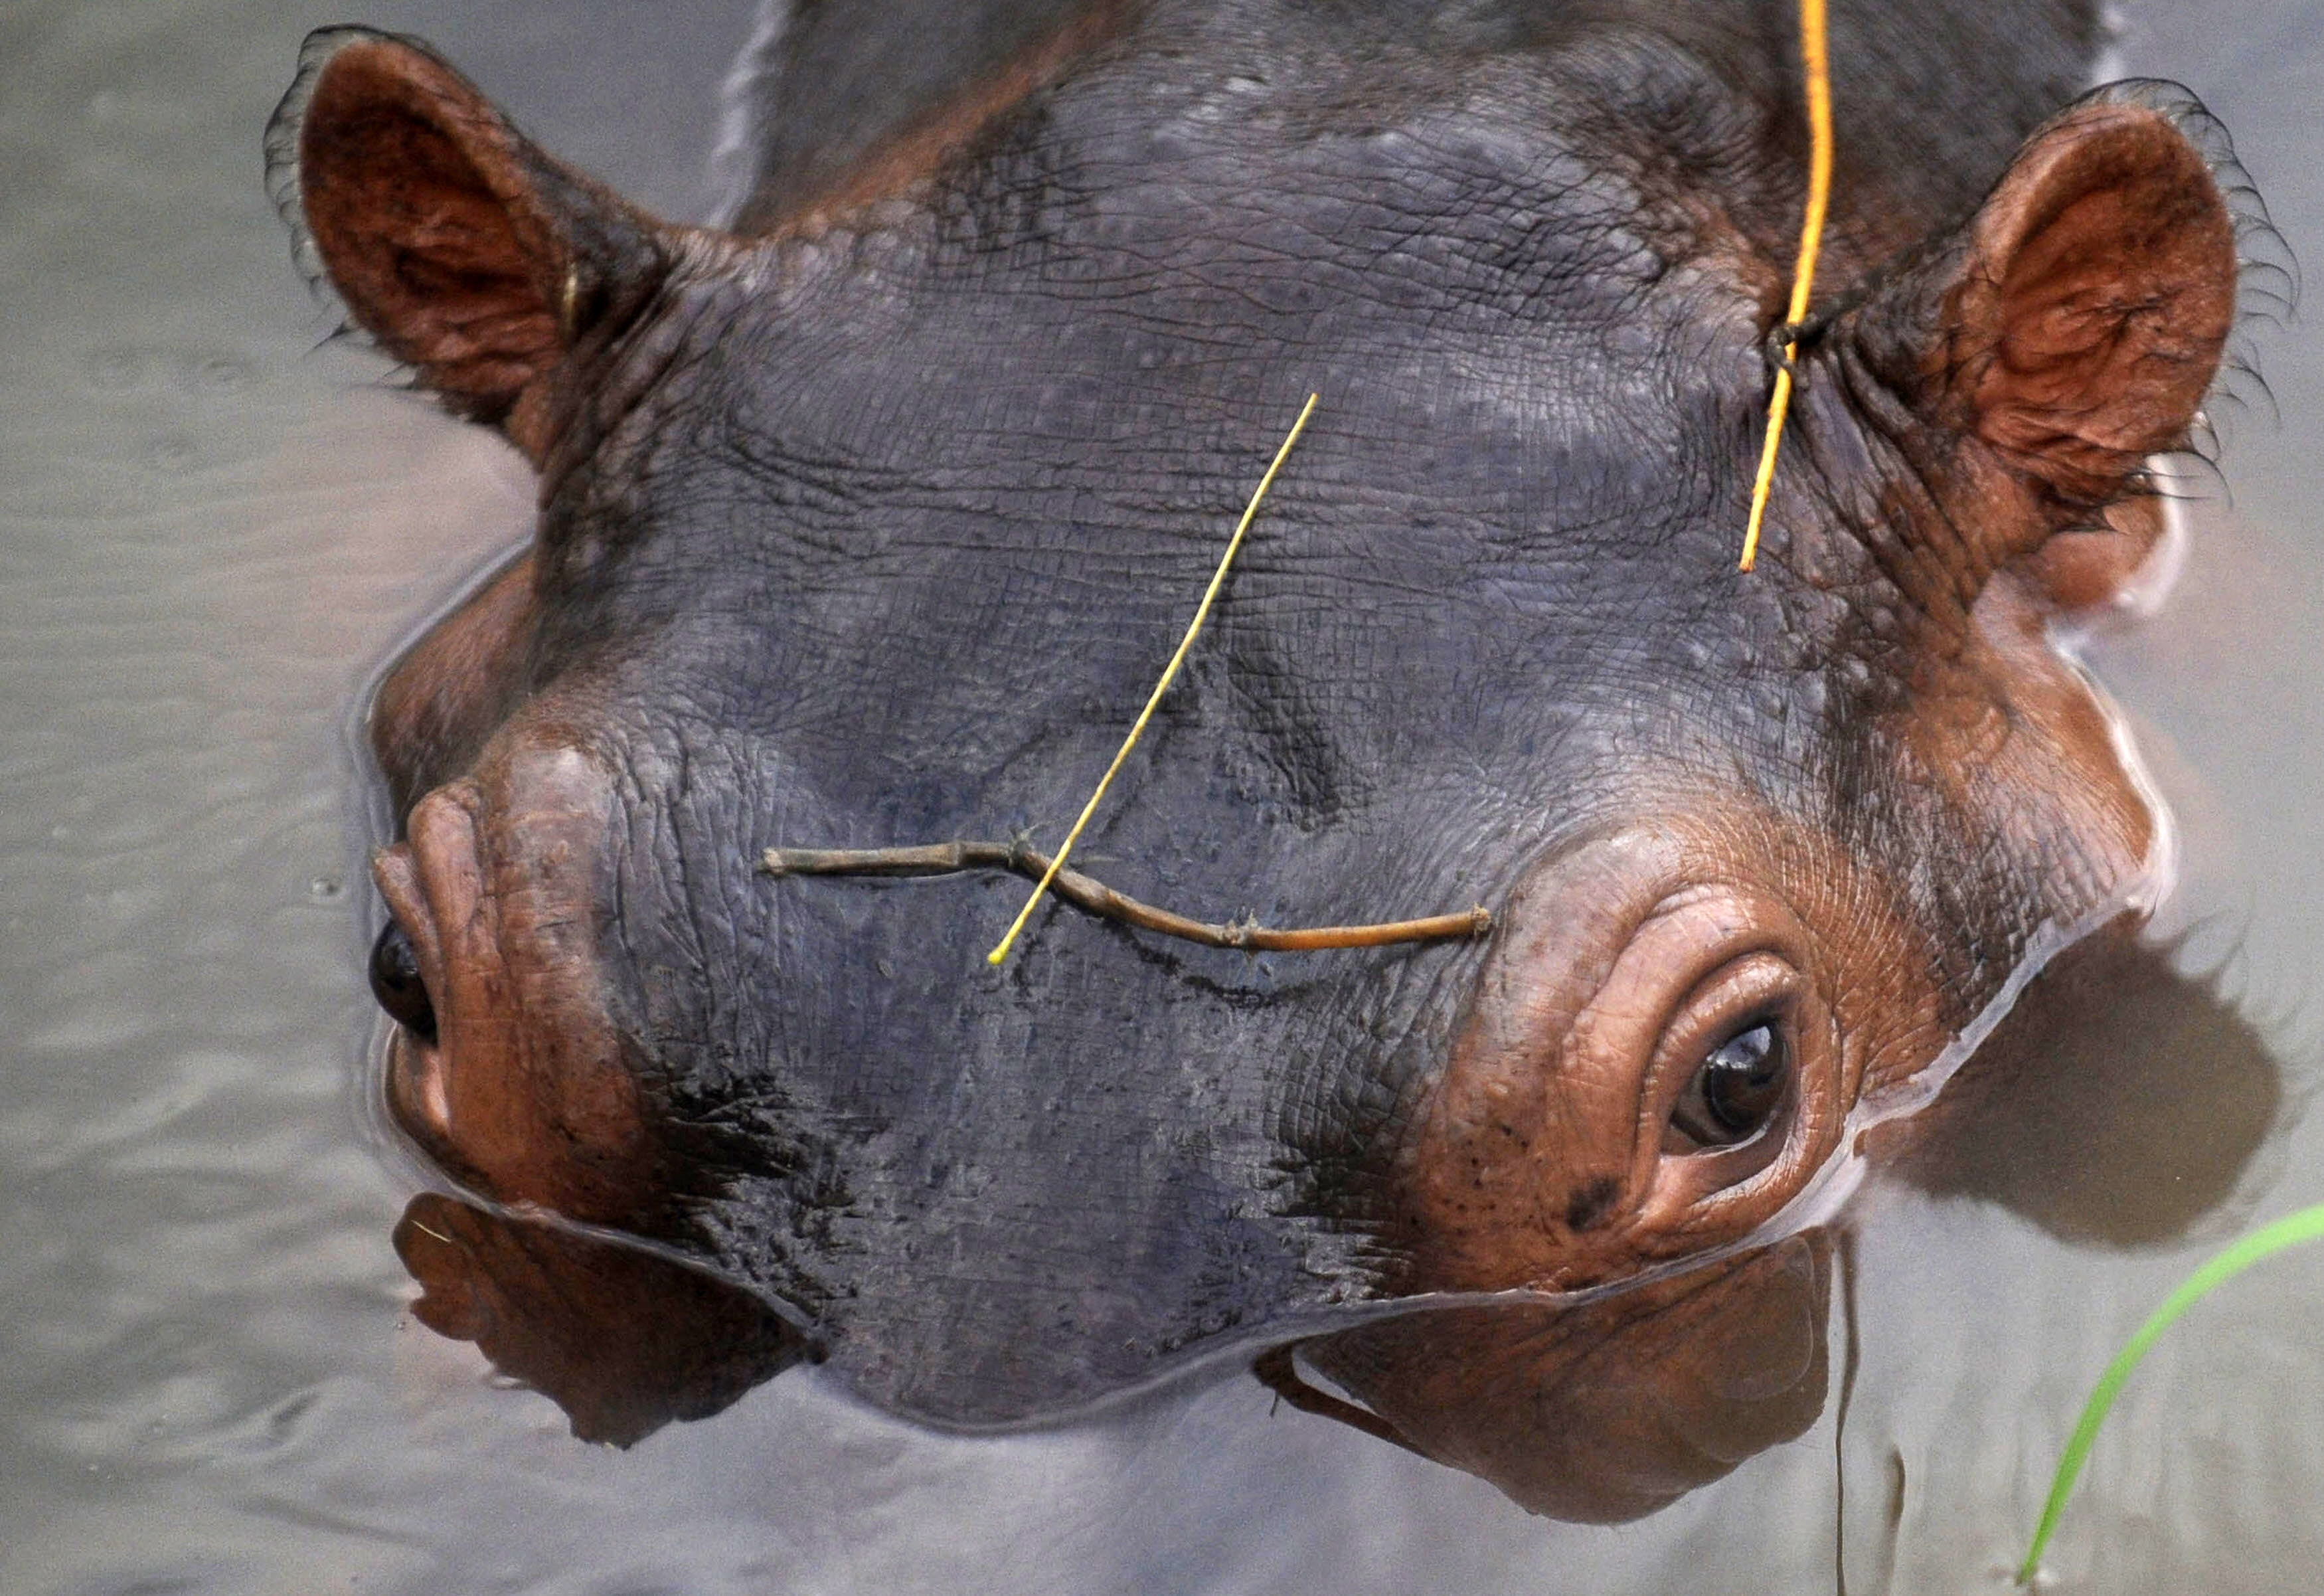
(1098, 899)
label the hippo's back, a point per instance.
(1932, 97)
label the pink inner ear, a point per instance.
(2103, 286)
(410, 186)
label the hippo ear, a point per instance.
(458, 246)
(2070, 327)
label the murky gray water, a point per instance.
(213, 530)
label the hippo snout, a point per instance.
(506, 1066)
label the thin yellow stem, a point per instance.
(1169, 674)
(1815, 61)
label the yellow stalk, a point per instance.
(1816, 66)
(1169, 673)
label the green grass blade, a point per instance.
(2305, 1225)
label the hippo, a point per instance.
(868, 518)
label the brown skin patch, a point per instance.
(1605, 1412)
(1623, 965)
(622, 1340)
(2088, 568)
(2009, 733)
(527, 1091)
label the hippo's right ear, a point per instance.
(455, 243)
(2067, 330)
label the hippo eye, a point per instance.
(1736, 1090)
(395, 982)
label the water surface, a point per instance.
(215, 526)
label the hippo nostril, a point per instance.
(396, 983)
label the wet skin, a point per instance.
(870, 525)
(2118, 1103)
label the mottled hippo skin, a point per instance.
(872, 520)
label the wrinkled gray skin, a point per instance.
(879, 529)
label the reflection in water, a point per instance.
(1604, 1412)
(622, 1340)
(2118, 1103)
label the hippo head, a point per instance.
(872, 525)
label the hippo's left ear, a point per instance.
(455, 243)
(2068, 330)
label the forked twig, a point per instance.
(1085, 892)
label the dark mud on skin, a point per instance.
(215, 532)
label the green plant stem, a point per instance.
(2305, 1225)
